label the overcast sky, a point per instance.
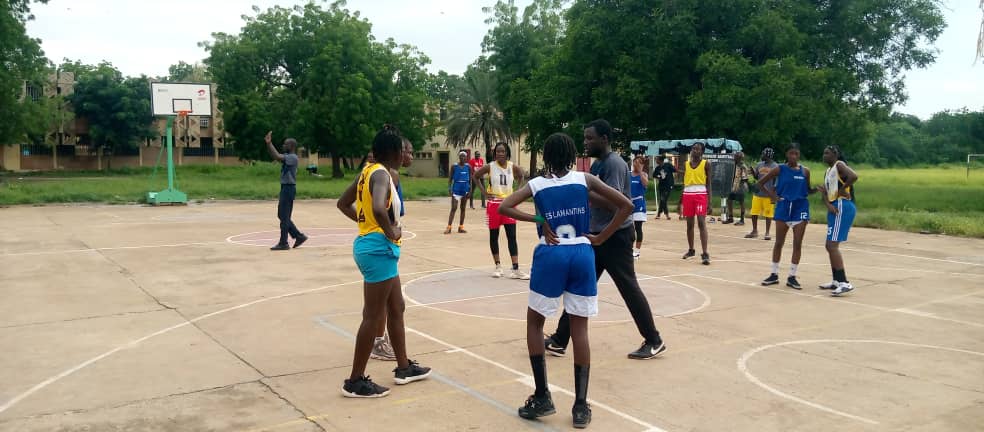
(140, 38)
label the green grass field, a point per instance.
(935, 199)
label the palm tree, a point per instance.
(477, 117)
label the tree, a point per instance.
(22, 61)
(317, 74)
(188, 72)
(117, 108)
(477, 118)
(645, 64)
(517, 47)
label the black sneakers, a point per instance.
(793, 283)
(300, 240)
(553, 348)
(690, 254)
(582, 415)
(363, 387)
(648, 351)
(413, 372)
(705, 259)
(537, 407)
(280, 247)
(773, 279)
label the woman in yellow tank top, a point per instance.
(373, 203)
(693, 202)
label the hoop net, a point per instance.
(183, 113)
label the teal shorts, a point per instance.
(377, 257)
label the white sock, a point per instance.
(775, 268)
(792, 269)
(636, 251)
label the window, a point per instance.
(34, 93)
(203, 122)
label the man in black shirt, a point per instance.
(664, 173)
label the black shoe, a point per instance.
(648, 351)
(363, 388)
(729, 221)
(537, 407)
(582, 415)
(773, 279)
(793, 283)
(690, 254)
(413, 372)
(553, 348)
(281, 246)
(300, 240)
(705, 259)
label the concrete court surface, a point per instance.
(131, 318)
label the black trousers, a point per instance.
(284, 209)
(615, 257)
(663, 195)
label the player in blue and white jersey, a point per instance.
(563, 265)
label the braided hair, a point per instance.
(559, 153)
(388, 144)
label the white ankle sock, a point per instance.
(775, 268)
(792, 269)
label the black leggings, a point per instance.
(638, 231)
(663, 195)
(510, 238)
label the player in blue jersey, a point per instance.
(638, 183)
(792, 211)
(459, 186)
(563, 265)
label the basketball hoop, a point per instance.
(183, 113)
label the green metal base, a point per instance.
(167, 196)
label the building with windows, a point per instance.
(68, 145)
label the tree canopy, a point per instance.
(317, 74)
(764, 72)
(21, 60)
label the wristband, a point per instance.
(539, 219)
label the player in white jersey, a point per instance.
(502, 175)
(563, 265)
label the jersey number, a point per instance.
(566, 231)
(502, 180)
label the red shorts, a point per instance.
(694, 204)
(497, 220)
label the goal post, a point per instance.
(970, 161)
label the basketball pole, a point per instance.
(170, 195)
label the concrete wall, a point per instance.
(147, 158)
(427, 158)
(10, 157)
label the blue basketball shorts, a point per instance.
(792, 212)
(839, 225)
(568, 272)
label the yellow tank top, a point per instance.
(501, 179)
(695, 176)
(363, 202)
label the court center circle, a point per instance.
(476, 293)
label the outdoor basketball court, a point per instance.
(135, 318)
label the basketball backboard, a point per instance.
(168, 99)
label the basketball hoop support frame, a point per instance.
(171, 195)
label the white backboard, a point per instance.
(169, 98)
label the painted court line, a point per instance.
(111, 248)
(55, 378)
(446, 380)
(743, 367)
(908, 310)
(522, 376)
(853, 250)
